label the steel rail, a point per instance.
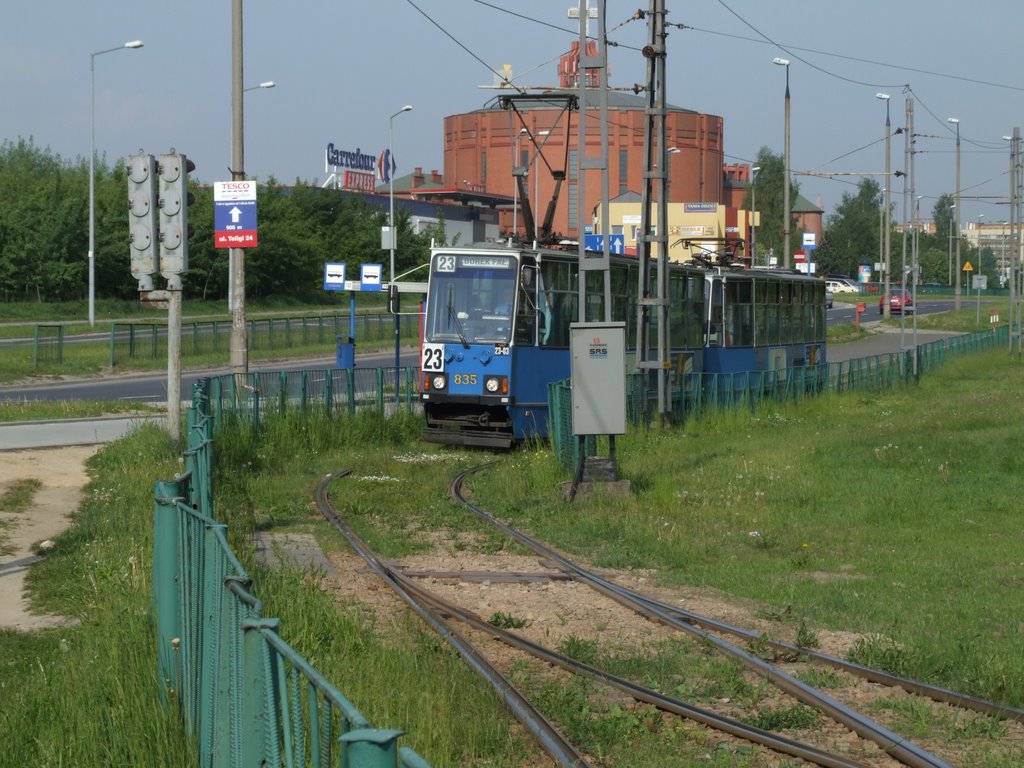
(892, 743)
(552, 741)
(420, 597)
(934, 692)
(640, 693)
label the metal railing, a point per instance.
(48, 345)
(148, 341)
(256, 394)
(246, 696)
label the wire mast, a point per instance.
(655, 188)
(593, 72)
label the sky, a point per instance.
(342, 68)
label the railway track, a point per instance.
(447, 619)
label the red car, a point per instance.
(899, 301)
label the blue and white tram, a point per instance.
(496, 333)
(763, 320)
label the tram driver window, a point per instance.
(526, 308)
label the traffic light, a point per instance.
(142, 219)
(174, 202)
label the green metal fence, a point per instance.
(693, 394)
(246, 696)
(48, 345)
(134, 341)
(256, 394)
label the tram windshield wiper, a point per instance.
(453, 317)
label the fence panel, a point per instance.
(48, 345)
(246, 696)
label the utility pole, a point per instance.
(655, 171)
(239, 355)
(908, 154)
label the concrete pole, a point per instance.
(236, 256)
(956, 274)
(786, 210)
(887, 225)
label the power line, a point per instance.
(789, 48)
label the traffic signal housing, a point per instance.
(142, 219)
(175, 198)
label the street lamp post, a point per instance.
(391, 234)
(956, 291)
(515, 183)
(92, 175)
(881, 238)
(949, 280)
(978, 282)
(888, 209)
(753, 214)
(785, 186)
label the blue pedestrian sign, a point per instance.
(616, 243)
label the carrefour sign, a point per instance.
(341, 158)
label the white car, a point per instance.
(840, 286)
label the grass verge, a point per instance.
(893, 515)
(85, 694)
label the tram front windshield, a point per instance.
(471, 298)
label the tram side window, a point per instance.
(819, 313)
(558, 303)
(716, 331)
(803, 299)
(595, 297)
(786, 313)
(526, 311)
(738, 314)
(774, 307)
(695, 285)
(760, 312)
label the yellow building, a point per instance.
(694, 229)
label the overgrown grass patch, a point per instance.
(893, 514)
(86, 694)
(18, 495)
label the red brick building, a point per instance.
(480, 150)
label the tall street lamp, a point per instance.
(785, 187)
(949, 280)
(391, 232)
(267, 84)
(92, 179)
(888, 209)
(881, 238)
(956, 291)
(515, 184)
(753, 214)
(978, 267)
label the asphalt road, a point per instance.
(152, 387)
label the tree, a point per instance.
(852, 230)
(769, 182)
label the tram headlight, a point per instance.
(438, 382)
(496, 385)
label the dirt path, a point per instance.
(61, 471)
